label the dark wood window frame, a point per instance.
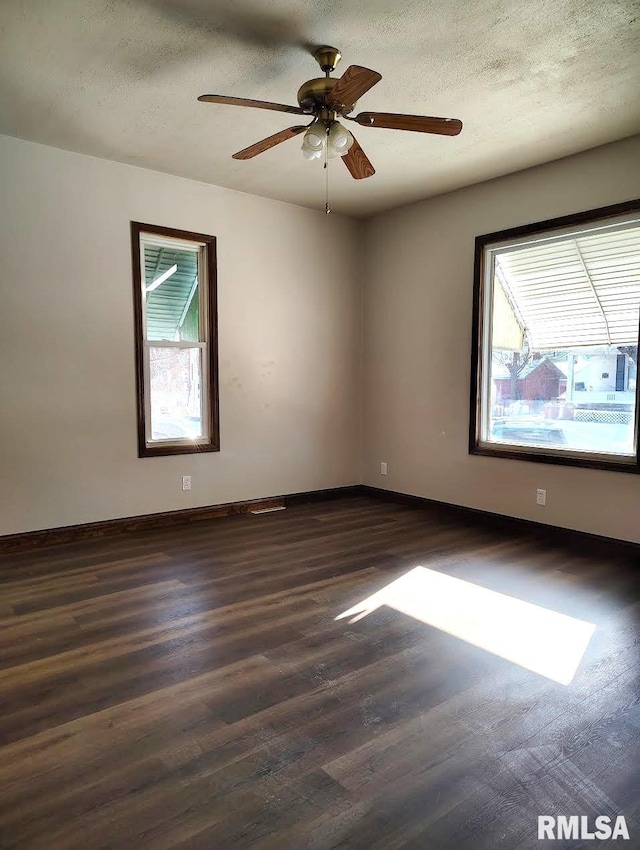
(212, 444)
(510, 452)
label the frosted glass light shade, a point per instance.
(314, 141)
(340, 140)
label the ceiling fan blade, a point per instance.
(244, 101)
(358, 162)
(269, 142)
(355, 81)
(416, 123)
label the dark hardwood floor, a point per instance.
(191, 688)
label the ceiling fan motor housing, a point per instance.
(312, 95)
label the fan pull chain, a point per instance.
(327, 208)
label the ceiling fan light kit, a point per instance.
(327, 99)
(334, 140)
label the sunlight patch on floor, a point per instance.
(536, 638)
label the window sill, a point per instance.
(584, 461)
(180, 449)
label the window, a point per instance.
(555, 341)
(174, 278)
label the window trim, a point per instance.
(210, 364)
(527, 453)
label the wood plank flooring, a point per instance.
(191, 688)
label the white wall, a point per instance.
(290, 346)
(417, 344)
(289, 343)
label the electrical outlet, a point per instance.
(186, 482)
(383, 468)
(541, 497)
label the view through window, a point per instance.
(559, 342)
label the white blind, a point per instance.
(576, 290)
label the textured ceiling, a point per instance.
(119, 79)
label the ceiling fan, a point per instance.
(327, 99)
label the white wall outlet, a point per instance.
(383, 468)
(541, 497)
(186, 482)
